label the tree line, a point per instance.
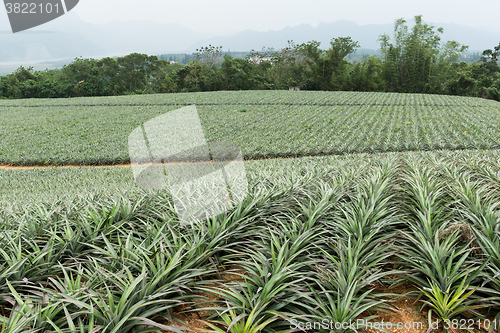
(412, 61)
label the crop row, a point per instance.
(260, 98)
(99, 134)
(19, 187)
(315, 239)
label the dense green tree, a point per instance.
(489, 60)
(319, 67)
(165, 78)
(280, 69)
(85, 78)
(460, 82)
(109, 69)
(409, 60)
(446, 71)
(412, 61)
(237, 74)
(10, 84)
(337, 53)
(196, 76)
(367, 75)
(137, 72)
(329, 68)
(263, 76)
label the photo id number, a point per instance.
(31, 8)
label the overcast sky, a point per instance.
(222, 16)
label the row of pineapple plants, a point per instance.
(258, 97)
(262, 123)
(310, 251)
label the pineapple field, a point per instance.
(366, 212)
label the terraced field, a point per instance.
(385, 227)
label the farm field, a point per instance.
(397, 230)
(262, 124)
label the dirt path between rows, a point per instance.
(10, 167)
(128, 165)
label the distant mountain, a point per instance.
(32, 46)
(250, 39)
(477, 38)
(69, 37)
(366, 35)
(118, 37)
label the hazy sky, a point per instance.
(235, 15)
